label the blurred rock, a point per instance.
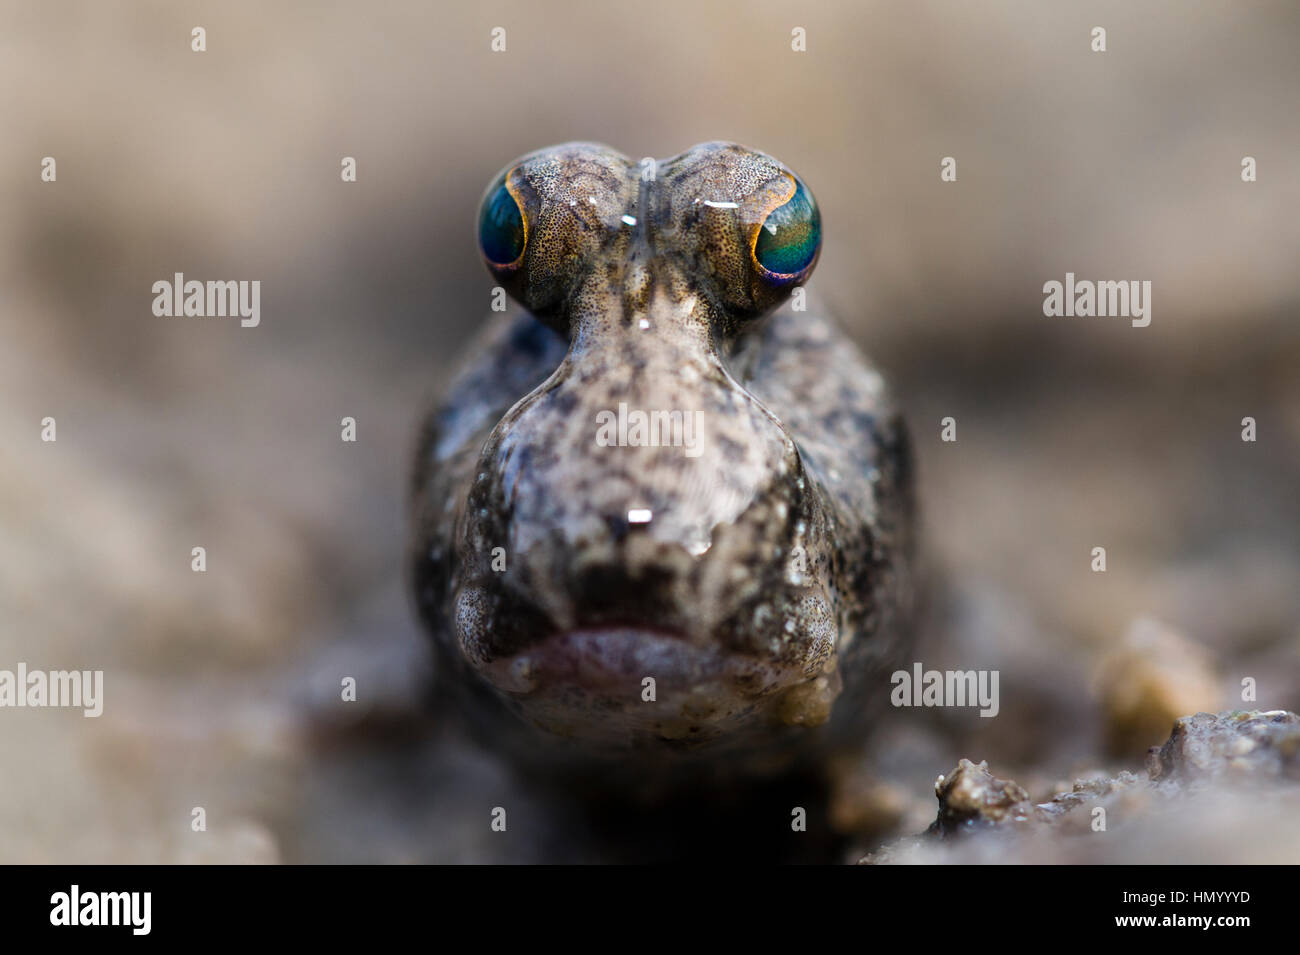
(1155, 675)
(970, 797)
(1239, 745)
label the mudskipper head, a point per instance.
(640, 559)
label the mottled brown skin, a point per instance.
(766, 595)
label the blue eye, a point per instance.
(501, 232)
(789, 237)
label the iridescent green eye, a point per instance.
(501, 232)
(789, 237)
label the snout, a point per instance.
(617, 585)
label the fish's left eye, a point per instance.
(789, 238)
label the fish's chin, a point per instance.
(632, 688)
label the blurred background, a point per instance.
(221, 688)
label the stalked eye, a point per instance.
(789, 237)
(501, 231)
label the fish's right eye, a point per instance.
(502, 232)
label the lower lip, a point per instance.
(610, 660)
(626, 686)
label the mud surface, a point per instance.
(1221, 789)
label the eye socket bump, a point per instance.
(787, 241)
(776, 226)
(502, 228)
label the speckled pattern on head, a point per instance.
(744, 542)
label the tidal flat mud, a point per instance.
(1222, 788)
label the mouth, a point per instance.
(613, 660)
(626, 685)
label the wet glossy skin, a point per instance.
(754, 567)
